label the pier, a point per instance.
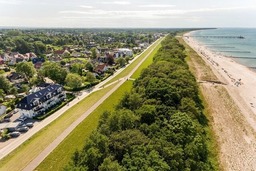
(221, 37)
(234, 51)
(242, 57)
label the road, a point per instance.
(17, 142)
(33, 164)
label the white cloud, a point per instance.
(10, 2)
(117, 2)
(157, 6)
(86, 6)
(158, 12)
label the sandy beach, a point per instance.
(235, 132)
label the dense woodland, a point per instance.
(158, 126)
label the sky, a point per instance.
(128, 13)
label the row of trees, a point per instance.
(159, 125)
(36, 41)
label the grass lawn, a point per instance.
(60, 157)
(21, 156)
(128, 69)
(146, 63)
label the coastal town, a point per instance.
(41, 74)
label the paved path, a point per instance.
(33, 164)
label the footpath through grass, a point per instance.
(25, 153)
(128, 69)
(146, 63)
(60, 157)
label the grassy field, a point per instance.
(20, 157)
(75, 141)
(128, 69)
(146, 63)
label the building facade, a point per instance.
(37, 103)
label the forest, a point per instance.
(159, 125)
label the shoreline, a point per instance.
(235, 129)
(241, 79)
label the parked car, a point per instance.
(15, 111)
(14, 134)
(7, 120)
(22, 118)
(30, 124)
(23, 129)
(8, 116)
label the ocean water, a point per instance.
(241, 50)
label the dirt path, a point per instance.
(229, 118)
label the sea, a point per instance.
(237, 43)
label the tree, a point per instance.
(39, 47)
(14, 91)
(89, 66)
(123, 142)
(94, 53)
(110, 60)
(73, 81)
(26, 69)
(90, 77)
(127, 59)
(4, 84)
(54, 71)
(143, 158)
(110, 165)
(121, 61)
(77, 68)
(22, 46)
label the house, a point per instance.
(38, 65)
(76, 54)
(1, 61)
(2, 110)
(38, 60)
(101, 68)
(125, 52)
(15, 77)
(37, 103)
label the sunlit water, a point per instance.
(242, 50)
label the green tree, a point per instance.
(26, 69)
(14, 91)
(89, 66)
(77, 68)
(39, 47)
(54, 71)
(4, 84)
(73, 81)
(144, 158)
(90, 77)
(94, 53)
(22, 46)
(110, 165)
(121, 61)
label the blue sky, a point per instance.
(128, 13)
